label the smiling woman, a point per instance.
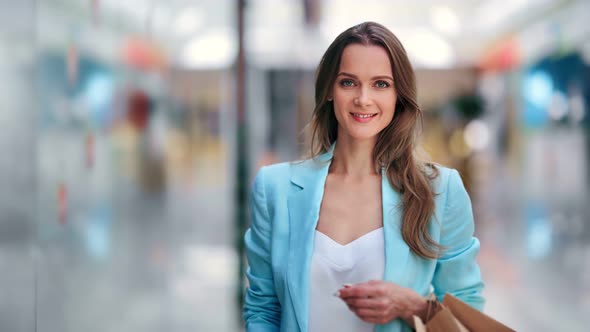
(367, 230)
(363, 92)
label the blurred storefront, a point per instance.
(126, 125)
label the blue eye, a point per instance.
(346, 83)
(382, 84)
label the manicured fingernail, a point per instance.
(347, 285)
(337, 294)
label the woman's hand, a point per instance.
(379, 302)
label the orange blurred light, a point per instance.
(503, 56)
(143, 54)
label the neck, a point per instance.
(353, 157)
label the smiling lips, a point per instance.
(361, 117)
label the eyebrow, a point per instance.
(373, 78)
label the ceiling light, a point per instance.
(213, 50)
(427, 48)
(445, 20)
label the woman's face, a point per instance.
(363, 93)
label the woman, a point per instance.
(356, 237)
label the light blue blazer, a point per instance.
(285, 205)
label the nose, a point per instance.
(363, 98)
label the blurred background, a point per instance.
(130, 132)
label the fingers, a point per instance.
(375, 320)
(371, 316)
(365, 290)
(365, 312)
(367, 303)
(372, 301)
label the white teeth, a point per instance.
(363, 116)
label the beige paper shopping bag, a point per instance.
(453, 315)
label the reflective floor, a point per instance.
(535, 265)
(138, 261)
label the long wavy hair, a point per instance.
(396, 147)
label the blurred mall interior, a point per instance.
(130, 132)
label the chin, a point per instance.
(363, 135)
(360, 132)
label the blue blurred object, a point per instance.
(538, 89)
(99, 92)
(550, 75)
(95, 84)
(539, 232)
(98, 232)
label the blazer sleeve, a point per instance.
(262, 310)
(457, 271)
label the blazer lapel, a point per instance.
(396, 249)
(308, 178)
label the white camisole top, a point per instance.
(332, 266)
